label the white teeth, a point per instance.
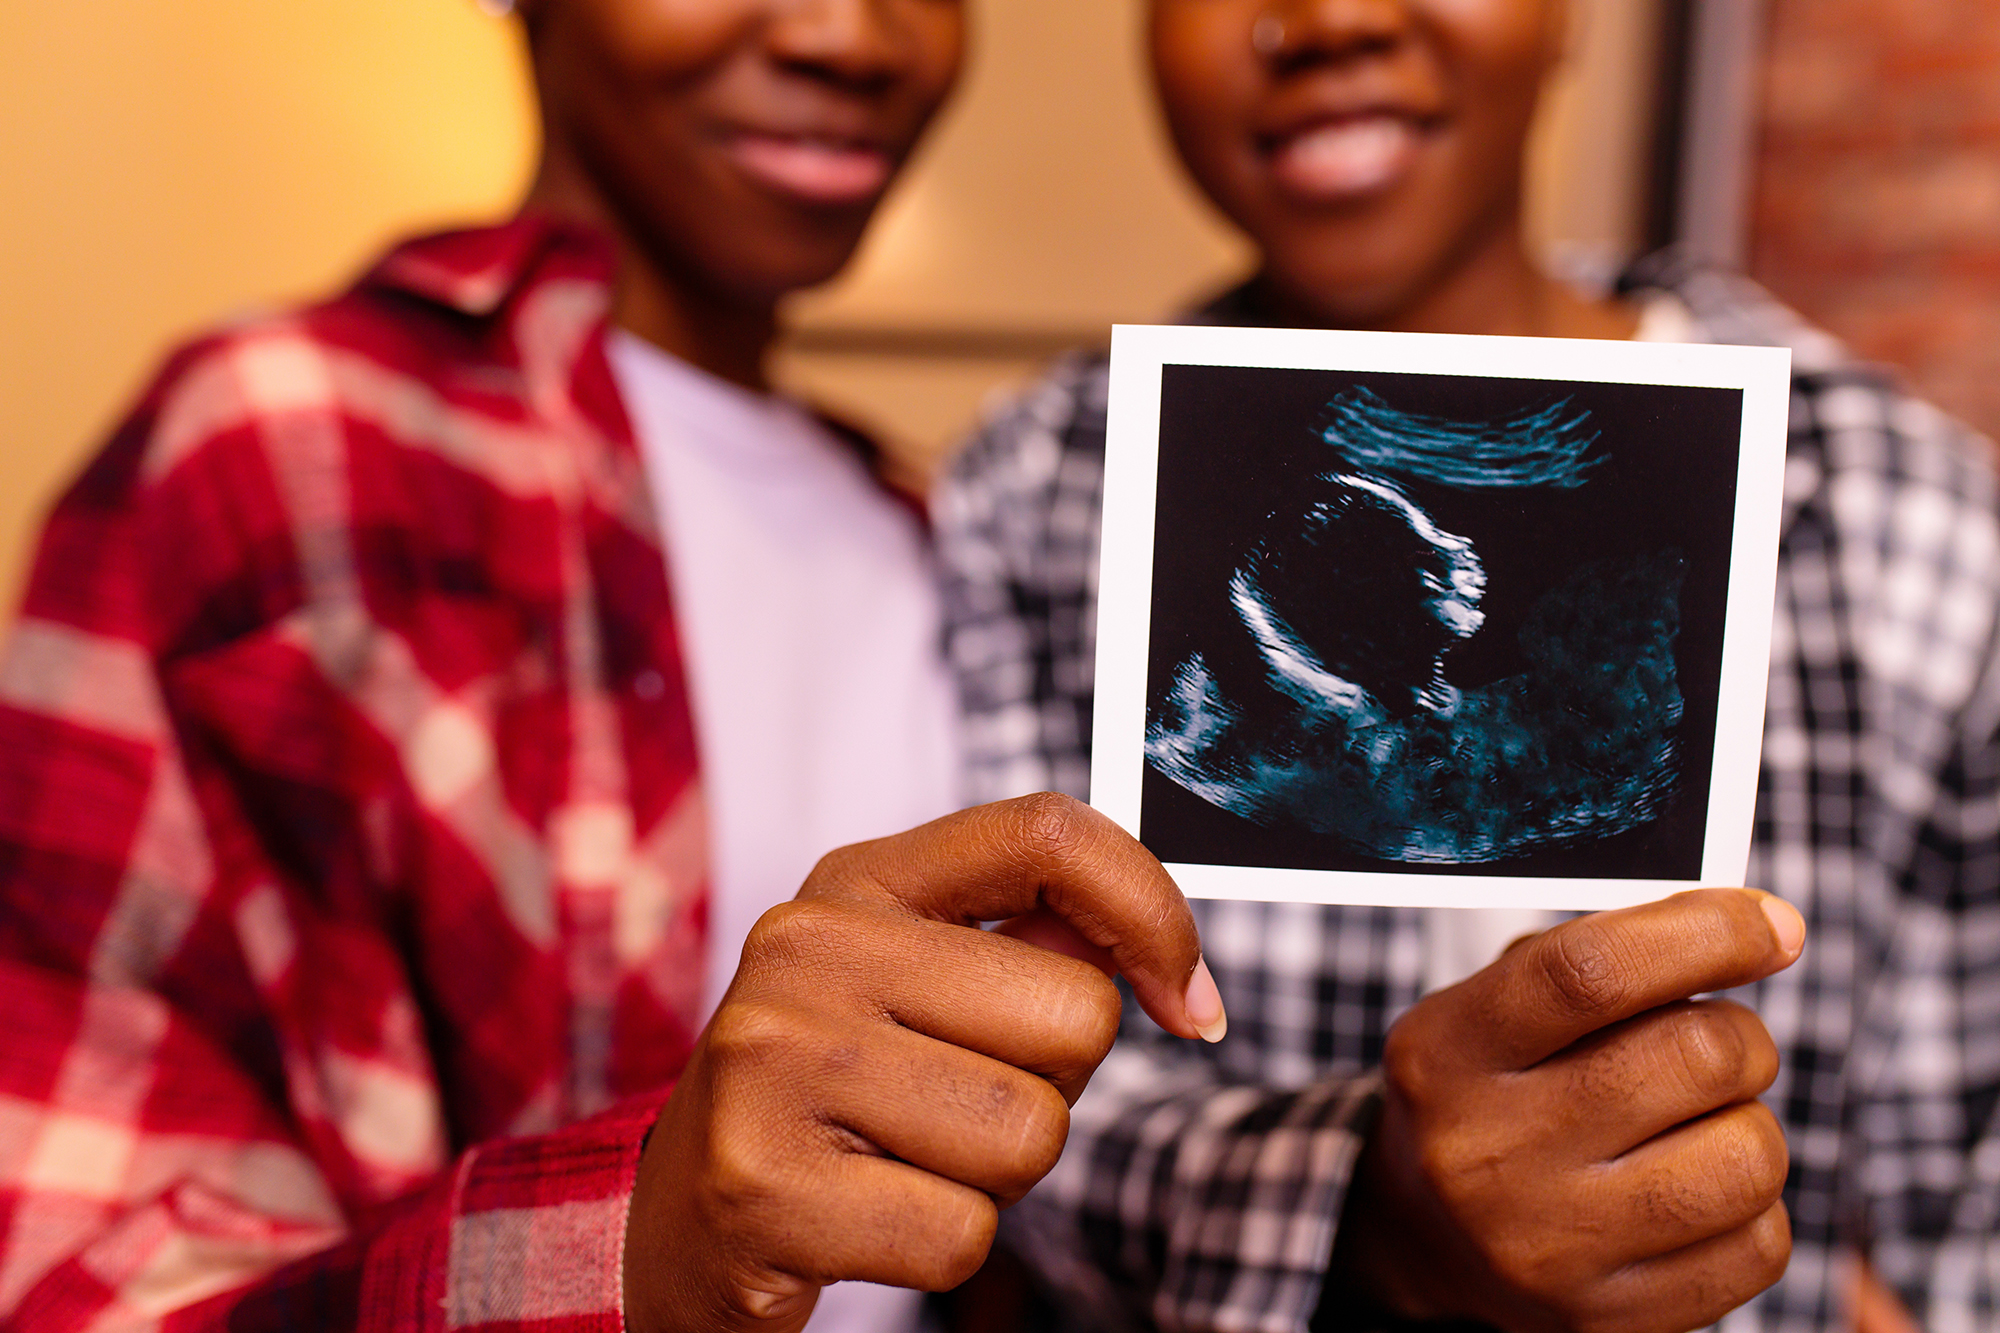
(1347, 157)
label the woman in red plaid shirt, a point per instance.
(357, 875)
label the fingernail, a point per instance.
(1786, 924)
(1204, 1004)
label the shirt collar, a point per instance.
(478, 271)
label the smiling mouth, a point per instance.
(1344, 159)
(812, 168)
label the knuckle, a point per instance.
(1754, 1258)
(1760, 1055)
(793, 931)
(1600, 1308)
(845, 872)
(1437, 1164)
(1049, 823)
(739, 1178)
(1086, 1014)
(1460, 1165)
(964, 1234)
(1524, 1265)
(755, 1299)
(1756, 1156)
(1740, 1173)
(832, 868)
(1584, 976)
(1037, 1126)
(1407, 1057)
(1770, 1240)
(1511, 1261)
(748, 1033)
(1069, 1014)
(1712, 1053)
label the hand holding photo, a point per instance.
(1424, 620)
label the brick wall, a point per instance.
(1876, 207)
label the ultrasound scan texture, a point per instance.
(1330, 705)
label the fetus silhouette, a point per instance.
(1373, 591)
(1329, 705)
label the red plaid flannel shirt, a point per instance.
(352, 868)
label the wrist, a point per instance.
(648, 1285)
(1360, 1281)
(1394, 1250)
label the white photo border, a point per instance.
(1139, 354)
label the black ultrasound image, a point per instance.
(1437, 623)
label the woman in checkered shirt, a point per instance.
(1373, 151)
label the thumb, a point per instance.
(1050, 861)
(1550, 990)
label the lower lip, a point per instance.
(815, 172)
(1350, 159)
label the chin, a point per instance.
(800, 271)
(803, 250)
(762, 268)
(1336, 291)
(1364, 272)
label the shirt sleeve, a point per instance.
(1928, 1082)
(217, 1104)
(1189, 1196)
(1933, 1141)
(1879, 816)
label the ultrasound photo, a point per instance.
(1432, 624)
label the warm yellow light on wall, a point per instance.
(164, 163)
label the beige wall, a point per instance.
(166, 162)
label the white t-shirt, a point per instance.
(811, 634)
(1460, 941)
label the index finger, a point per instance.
(1567, 982)
(1000, 861)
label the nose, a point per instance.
(859, 44)
(1294, 33)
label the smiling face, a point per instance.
(739, 145)
(1369, 147)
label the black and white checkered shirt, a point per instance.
(1202, 1185)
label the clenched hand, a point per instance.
(881, 1078)
(1568, 1142)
